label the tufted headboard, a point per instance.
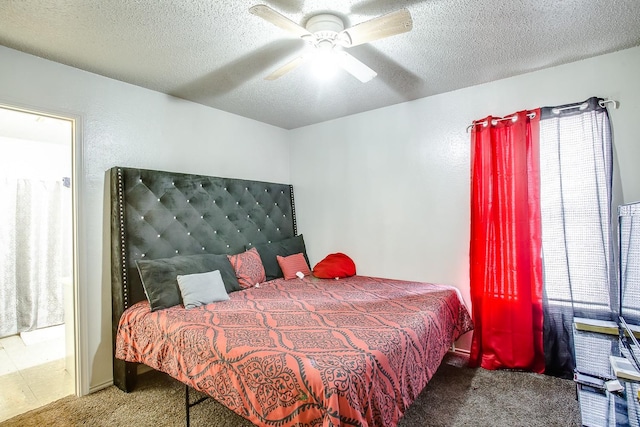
(157, 214)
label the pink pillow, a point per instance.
(291, 264)
(248, 267)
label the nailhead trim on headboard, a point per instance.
(123, 247)
(293, 211)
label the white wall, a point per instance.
(124, 125)
(390, 187)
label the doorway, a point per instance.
(37, 326)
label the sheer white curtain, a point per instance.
(576, 164)
(629, 226)
(35, 253)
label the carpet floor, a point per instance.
(456, 396)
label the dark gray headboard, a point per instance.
(157, 214)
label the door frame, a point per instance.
(78, 303)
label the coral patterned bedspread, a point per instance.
(311, 352)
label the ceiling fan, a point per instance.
(326, 33)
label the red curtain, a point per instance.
(505, 251)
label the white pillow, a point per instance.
(202, 288)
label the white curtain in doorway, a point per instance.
(35, 253)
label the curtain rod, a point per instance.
(494, 122)
(603, 103)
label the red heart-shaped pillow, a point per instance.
(335, 265)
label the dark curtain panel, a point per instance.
(576, 185)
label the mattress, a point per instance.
(304, 352)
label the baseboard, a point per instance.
(141, 369)
(99, 387)
(459, 351)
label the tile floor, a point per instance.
(32, 375)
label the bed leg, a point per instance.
(186, 402)
(188, 405)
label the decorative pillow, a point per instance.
(201, 288)
(269, 251)
(335, 265)
(293, 264)
(159, 276)
(248, 268)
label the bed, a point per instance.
(299, 352)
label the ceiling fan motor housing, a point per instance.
(325, 28)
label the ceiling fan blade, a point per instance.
(354, 67)
(279, 20)
(285, 68)
(393, 23)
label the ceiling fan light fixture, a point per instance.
(326, 34)
(324, 63)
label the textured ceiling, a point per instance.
(216, 53)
